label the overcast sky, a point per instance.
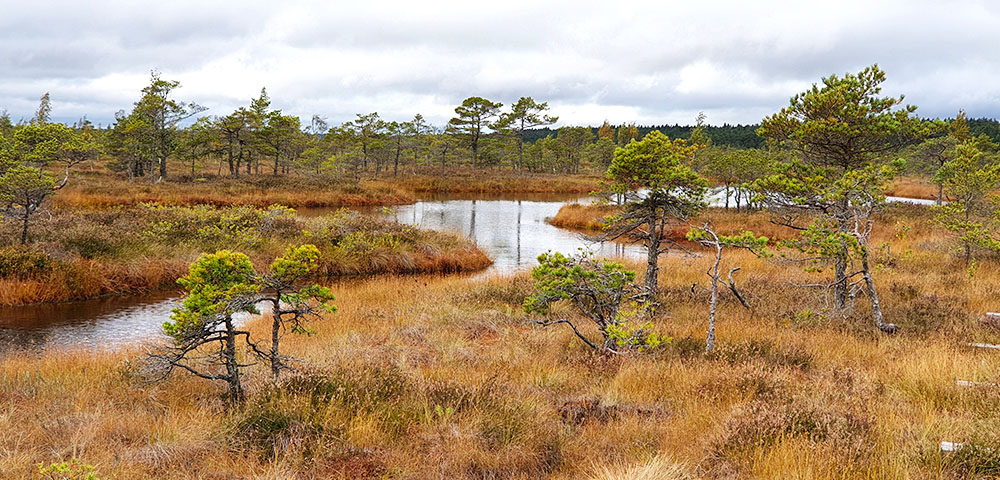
(654, 63)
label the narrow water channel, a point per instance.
(511, 231)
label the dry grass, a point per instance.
(592, 217)
(101, 191)
(789, 394)
(98, 190)
(583, 217)
(467, 180)
(84, 254)
(913, 187)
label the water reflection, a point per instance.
(98, 323)
(511, 231)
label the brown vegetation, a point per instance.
(84, 254)
(582, 216)
(426, 377)
(591, 217)
(100, 190)
(913, 187)
(479, 181)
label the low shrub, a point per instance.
(21, 262)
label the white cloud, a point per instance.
(651, 62)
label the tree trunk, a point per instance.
(163, 167)
(232, 365)
(652, 255)
(364, 156)
(275, 338)
(840, 269)
(727, 197)
(276, 158)
(840, 280)
(520, 149)
(872, 294)
(940, 194)
(395, 165)
(24, 228)
(713, 304)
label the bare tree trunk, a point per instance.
(713, 304)
(940, 194)
(275, 339)
(652, 256)
(232, 365)
(163, 167)
(873, 295)
(24, 228)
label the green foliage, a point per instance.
(970, 178)
(560, 277)
(744, 239)
(844, 123)
(213, 283)
(601, 290)
(211, 227)
(472, 119)
(71, 470)
(654, 177)
(286, 274)
(364, 243)
(655, 162)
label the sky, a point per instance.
(652, 63)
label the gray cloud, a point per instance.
(652, 62)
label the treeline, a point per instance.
(736, 136)
(161, 136)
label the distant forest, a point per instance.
(745, 136)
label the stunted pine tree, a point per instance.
(221, 285)
(525, 114)
(473, 117)
(293, 301)
(840, 135)
(603, 292)
(970, 177)
(660, 191)
(161, 115)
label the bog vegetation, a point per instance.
(788, 320)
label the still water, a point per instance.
(511, 231)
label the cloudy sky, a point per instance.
(654, 63)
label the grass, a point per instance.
(440, 377)
(913, 187)
(592, 218)
(83, 254)
(467, 180)
(101, 190)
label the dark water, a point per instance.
(510, 229)
(98, 323)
